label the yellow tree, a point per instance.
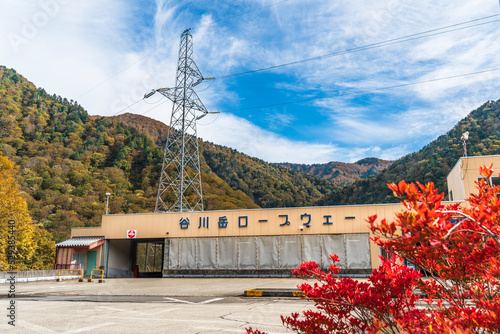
(21, 241)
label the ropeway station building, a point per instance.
(257, 242)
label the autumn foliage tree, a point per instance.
(456, 288)
(32, 245)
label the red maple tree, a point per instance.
(456, 288)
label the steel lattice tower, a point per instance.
(180, 180)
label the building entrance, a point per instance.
(149, 258)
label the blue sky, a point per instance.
(106, 54)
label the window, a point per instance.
(78, 260)
(481, 178)
(385, 254)
(495, 180)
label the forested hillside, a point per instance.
(268, 185)
(342, 173)
(432, 163)
(67, 161)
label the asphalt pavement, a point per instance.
(187, 287)
(151, 305)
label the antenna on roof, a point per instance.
(464, 138)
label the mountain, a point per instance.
(431, 163)
(341, 173)
(155, 130)
(268, 185)
(66, 161)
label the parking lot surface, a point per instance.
(150, 305)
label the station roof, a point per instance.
(79, 241)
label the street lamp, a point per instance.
(107, 201)
(464, 138)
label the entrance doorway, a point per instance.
(91, 262)
(149, 258)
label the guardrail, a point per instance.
(61, 270)
(92, 274)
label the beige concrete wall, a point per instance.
(99, 256)
(466, 171)
(456, 188)
(259, 222)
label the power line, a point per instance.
(357, 49)
(170, 40)
(366, 91)
(424, 34)
(205, 124)
(133, 104)
(166, 100)
(324, 97)
(241, 14)
(361, 48)
(125, 68)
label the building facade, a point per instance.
(257, 242)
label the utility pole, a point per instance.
(180, 180)
(464, 138)
(107, 201)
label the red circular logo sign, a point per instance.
(131, 234)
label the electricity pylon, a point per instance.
(180, 179)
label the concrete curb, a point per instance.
(265, 292)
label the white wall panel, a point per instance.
(227, 253)
(290, 251)
(358, 251)
(207, 253)
(173, 254)
(248, 253)
(333, 244)
(267, 250)
(187, 253)
(311, 248)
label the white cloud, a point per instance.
(244, 136)
(240, 134)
